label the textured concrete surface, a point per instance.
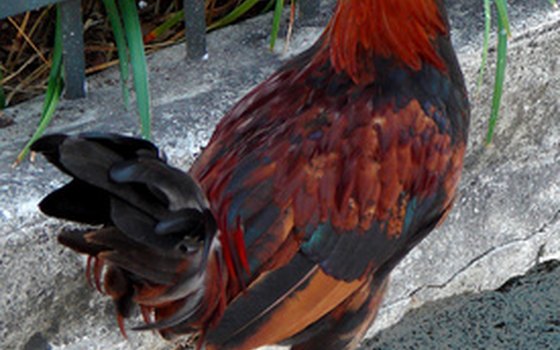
(521, 314)
(506, 221)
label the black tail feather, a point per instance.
(156, 225)
(68, 202)
(48, 146)
(122, 181)
(76, 240)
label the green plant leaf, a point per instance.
(503, 34)
(269, 6)
(234, 15)
(173, 20)
(54, 90)
(501, 6)
(276, 22)
(122, 49)
(133, 34)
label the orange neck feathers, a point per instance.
(403, 30)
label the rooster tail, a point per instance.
(155, 239)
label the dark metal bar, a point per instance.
(14, 7)
(308, 9)
(195, 28)
(73, 48)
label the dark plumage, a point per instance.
(312, 188)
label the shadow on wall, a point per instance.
(524, 313)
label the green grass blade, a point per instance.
(485, 41)
(269, 6)
(54, 90)
(173, 20)
(553, 3)
(122, 50)
(503, 34)
(53, 97)
(2, 95)
(501, 6)
(231, 17)
(133, 34)
(234, 15)
(276, 22)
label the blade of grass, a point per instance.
(231, 17)
(553, 3)
(54, 90)
(268, 6)
(501, 6)
(291, 25)
(173, 20)
(138, 61)
(503, 34)
(276, 22)
(122, 50)
(234, 15)
(485, 41)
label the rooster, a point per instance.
(310, 191)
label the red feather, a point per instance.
(403, 30)
(311, 189)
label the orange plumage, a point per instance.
(312, 188)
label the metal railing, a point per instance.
(73, 39)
